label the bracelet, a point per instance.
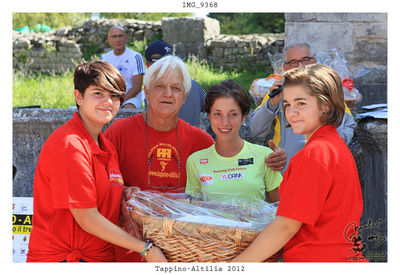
(146, 248)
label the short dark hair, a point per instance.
(227, 88)
(325, 84)
(101, 74)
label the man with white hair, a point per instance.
(268, 118)
(193, 106)
(129, 63)
(153, 146)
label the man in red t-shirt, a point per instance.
(153, 147)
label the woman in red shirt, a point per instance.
(78, 186)
(320, 195)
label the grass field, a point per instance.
(56, 91)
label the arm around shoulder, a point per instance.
(346, 129)
(262, 120)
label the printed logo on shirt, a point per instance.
(204, 161)
(248, 161)
(164, 154)
(206, 179)
(164, 161)
(116, 178)
(232, 176)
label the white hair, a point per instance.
(295, 45)
(166, 65)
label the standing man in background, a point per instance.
(129, 63)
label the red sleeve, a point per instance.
(112, 134)
(204, 140)
(71, 176)
(304, 190)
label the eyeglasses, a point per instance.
(304, 61)
(164, 163)
(120, 36)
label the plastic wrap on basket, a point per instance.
(188, 230)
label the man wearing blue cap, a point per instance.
(193, 106)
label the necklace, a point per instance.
(149, 159)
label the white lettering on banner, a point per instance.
(232, 176)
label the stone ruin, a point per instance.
(61, 50)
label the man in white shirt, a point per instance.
(129, 63)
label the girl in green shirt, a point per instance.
(232, 168)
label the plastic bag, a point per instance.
(352, 96)
(277, 60)
(336, 60)
(188, 230)
(261, 87)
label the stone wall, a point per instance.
(31, 128)
(362, 37)
(45, 53)
(243, 51)
(93, 33)
(201, 37)
(62, 49)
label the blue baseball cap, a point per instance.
(158, 47)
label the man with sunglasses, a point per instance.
(129, 63)
(268, 118)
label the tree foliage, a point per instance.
(250, 23)
(143, 16)
(53, 20)
(230, 23)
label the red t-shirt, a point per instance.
(164, 150)
(321, 189)
(73, 172)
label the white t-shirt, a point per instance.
(129, 63)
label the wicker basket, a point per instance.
(182, 241)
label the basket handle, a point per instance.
(167, 226)
(238, 236)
